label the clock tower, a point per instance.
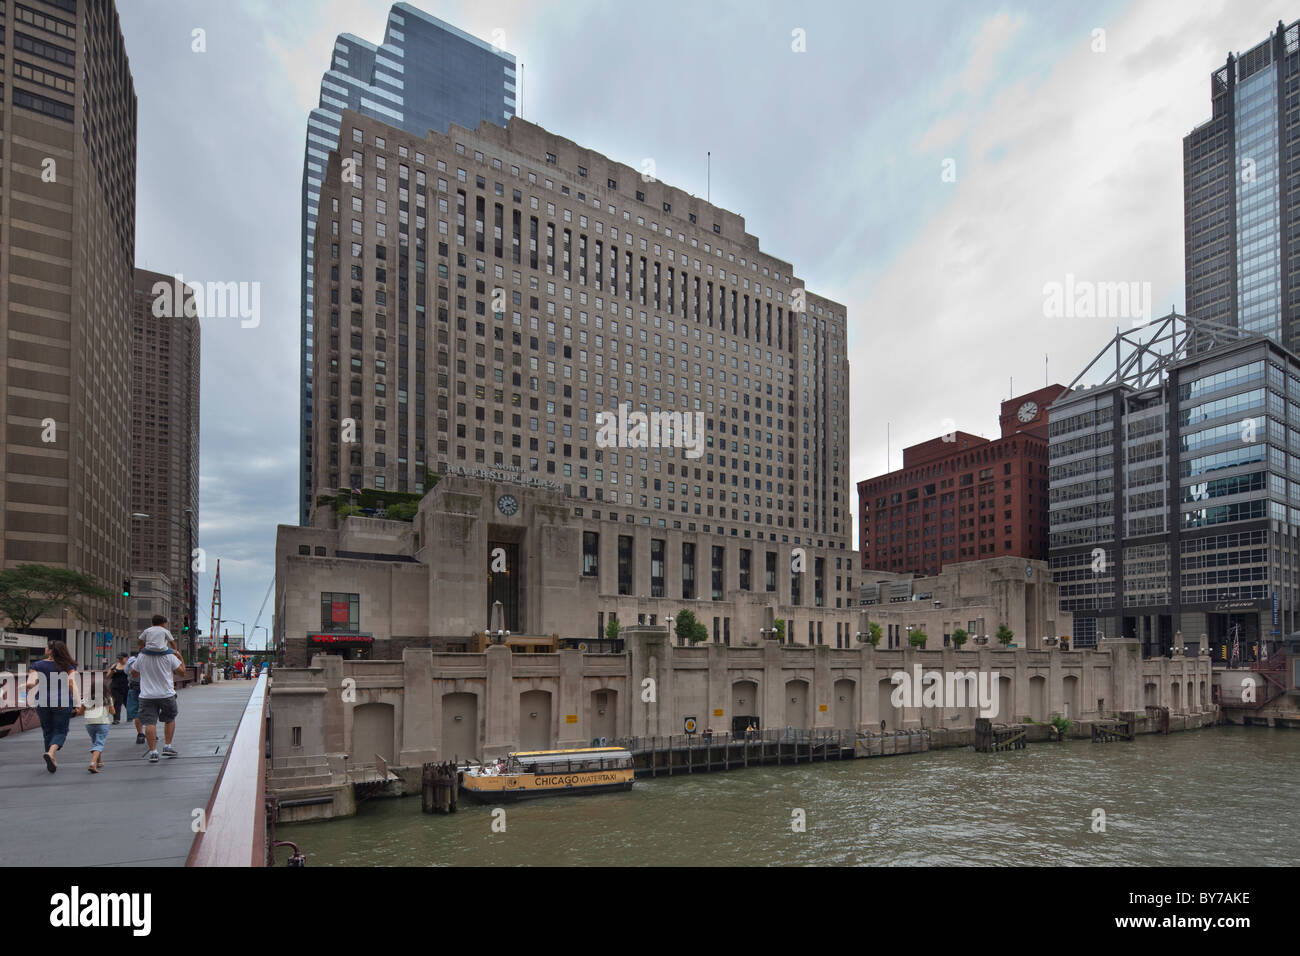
(1027, 414)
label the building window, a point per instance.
(744, 569)
(718, 567)
(590, 553)
(771, 571)
(340, 612)
(688, 571)
(624, 564)
(657, 568)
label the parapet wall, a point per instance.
(438, 706)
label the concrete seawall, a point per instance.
(340, 723)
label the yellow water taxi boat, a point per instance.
(547, 773)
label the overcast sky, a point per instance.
(931, 165)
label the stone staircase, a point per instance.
(299, 773)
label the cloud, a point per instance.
(1077, 170)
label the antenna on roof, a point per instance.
(521, 90)
(708, 176)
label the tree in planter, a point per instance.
(916, 637)
(29, 591)
(612, 629)
(689, 629)
(875, 633)
(1005, 634)
(778, 625)
(959, 637)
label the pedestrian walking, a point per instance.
(98, 718)
(55, 681)
(119, 685)
(158, 699)
(133, 694)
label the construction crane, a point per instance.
(216, 607)
(261, 609)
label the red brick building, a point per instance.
(960, 497)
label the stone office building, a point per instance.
(371, 588)
(485, 296)
(976, 596)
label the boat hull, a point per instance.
(495, 790)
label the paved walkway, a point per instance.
(134, 813)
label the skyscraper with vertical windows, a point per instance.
(67, 266)
(1241, 189)
(165, 349)
(424, 76)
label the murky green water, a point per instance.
(1223, 796)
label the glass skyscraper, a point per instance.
(424, 76)
(1241, 170)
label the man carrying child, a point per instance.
(155, 665)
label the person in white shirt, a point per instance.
(158, 698)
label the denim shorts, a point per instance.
(132, 701)
(98, 734)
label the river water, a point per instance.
(1222, 796)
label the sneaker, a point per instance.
(153, 756)
(139, 738)
(169, 751)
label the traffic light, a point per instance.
(126, 587)
(185, 627)
(225, 639)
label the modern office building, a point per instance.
(424, 76)
(1241, 188)
(960, 497)
(165, 349)
(67, 259)
(505, 303)
(1175, 490)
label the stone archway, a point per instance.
(846, 704)
(535, 720)
(798, 704)
(460, 733)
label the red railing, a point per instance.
(234, 832)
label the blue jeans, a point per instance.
(98, 734)
(132, 701)
(54, 725)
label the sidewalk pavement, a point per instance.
(133, 813)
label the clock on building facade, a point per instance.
(1028, 412)
(508, 505)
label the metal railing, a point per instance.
(702, 740)
(234, 831)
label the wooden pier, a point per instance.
(439, 787)
(995, 739)
(699, 753)
(1106, 731)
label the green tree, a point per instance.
(959, 637)
(1005, 634)
(874, 633)
(916, 637)
(779, 626)
(612, 629)
(689, 629)
(29, 591)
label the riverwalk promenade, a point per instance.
(134, 813)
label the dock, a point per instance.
(701, 753)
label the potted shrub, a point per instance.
(959, 637)
(1005, 634)
(916, 637)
